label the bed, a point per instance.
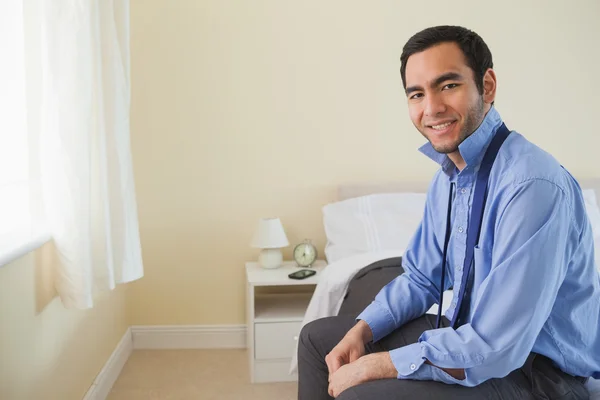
(356, 273)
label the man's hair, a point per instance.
(476, 52)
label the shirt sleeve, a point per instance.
(411, 294)
(529, 258)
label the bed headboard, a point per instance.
(348, 191)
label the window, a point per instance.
(16, 183)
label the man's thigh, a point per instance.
(513, 386)
(325, 333)
(517, 385)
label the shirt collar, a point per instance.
(472, 148)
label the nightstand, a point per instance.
(275, 308)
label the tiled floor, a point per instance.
(192, 375)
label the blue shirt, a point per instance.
(535, 289)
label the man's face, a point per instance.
(443, 101)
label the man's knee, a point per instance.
(325, 333)
(308, 330)
(349, 394)
(314, 331)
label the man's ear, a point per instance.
(489, 86)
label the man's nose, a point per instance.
(434, 105)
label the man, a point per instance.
(526, 326)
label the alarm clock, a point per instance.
(305, 254)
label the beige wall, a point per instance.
(243, 109)
(46, 351)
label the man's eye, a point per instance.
(416, 96)
(450, 86)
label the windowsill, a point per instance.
(20, 244)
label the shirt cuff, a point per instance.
(410, 364)
(409, 361)
(379, 320)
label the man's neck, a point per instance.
(457, 159)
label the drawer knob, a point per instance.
(296, 338)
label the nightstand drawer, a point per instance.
(275, 339)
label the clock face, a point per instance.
(305, 254)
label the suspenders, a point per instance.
(474, 230)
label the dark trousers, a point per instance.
(537, 379)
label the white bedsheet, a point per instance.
(593, 386)
(333, 284)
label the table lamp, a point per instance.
(270, 238)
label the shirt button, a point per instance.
(413, 367)
(459, 268)
(460, 229)
(463, 190)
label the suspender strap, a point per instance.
(474, 230)
(445, 254)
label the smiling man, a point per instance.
(505, 226)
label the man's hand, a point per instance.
(367, 368)
(350, 348)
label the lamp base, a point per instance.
(270, 258)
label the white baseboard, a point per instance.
(189, 337)
(111, 370)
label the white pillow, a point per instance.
(385, 221)
(593, 213)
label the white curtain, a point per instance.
(85, 158)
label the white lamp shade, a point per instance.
(269, 234)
